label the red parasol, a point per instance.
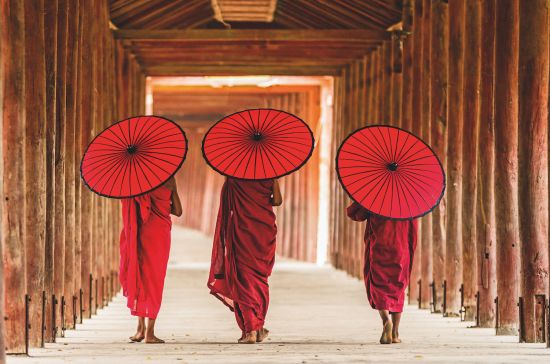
(390, 172)
(258, 144)
(133, 156)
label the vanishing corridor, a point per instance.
(317, 315)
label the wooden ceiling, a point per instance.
(235, 37)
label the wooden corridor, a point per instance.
(468, 76)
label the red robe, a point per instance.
(144, 250)
(243, 252)
(389, 252)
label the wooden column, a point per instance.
(506, 164)
(71, 83)
(407, 88)
(396, 77)
(533, 159)
(438, 115)
(415, 128)
(50, 32)
(485, 229)
(472, 69)
(61, 113)
(453, 253)
(13, 62)
(425, 132)
(2, 294)
(35, 161)
(387, 109)
(86, 135)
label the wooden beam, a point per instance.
(246, 70)
(453, 254)
(506, 166)
(533, 160)
(316, 35)
(407, 87)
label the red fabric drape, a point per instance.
(144, 250)
(243, 252)
(389, 252)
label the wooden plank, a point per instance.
(50, 32)
(506, 165)
(472, 74)
(438, 115)
(533, 159)
(2, 294)
(486, 234)
(348, 35)
(35, 162)
(13, 105)
(453, 254)
(243, 70)
(425, 127)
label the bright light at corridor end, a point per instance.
(322, 133)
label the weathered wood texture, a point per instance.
(453, 254)
(485, 215)
(438, 116)
(506, 164)
(472, 69)
(2, 293)
(533, 160)
(59, 63)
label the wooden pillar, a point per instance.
(438, 115)
(71, 90)
(416, 108)
(13, 243)
(453, 253)
(506, 165)
(407, 88)
(86, 135)
(472, 69)
(396, 77)
(533, 159)
(387, 107)
(2, 294)
(50, 32)
(485, 231)
(424, 133)
(35, 161)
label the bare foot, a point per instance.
(262, 334)
(153, 340)
(395, 340)
(386, 337)
(138, 337)
(249, 338)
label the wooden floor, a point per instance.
(317, 315)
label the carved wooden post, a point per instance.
(472, 69)
(438, 115)
(13, 62)
(533, 159)
(50, 32)
(453, 253)
(506, 164)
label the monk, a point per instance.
(243, 252)
(389, 251)
(144, 250)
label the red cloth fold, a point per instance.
(243, 252)
(389, 252)
(144, 250)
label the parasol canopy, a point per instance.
(133, 156)
(390, 172)
(258, 144)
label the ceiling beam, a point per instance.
(344, 35)
(241, 70)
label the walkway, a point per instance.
(317, 315)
